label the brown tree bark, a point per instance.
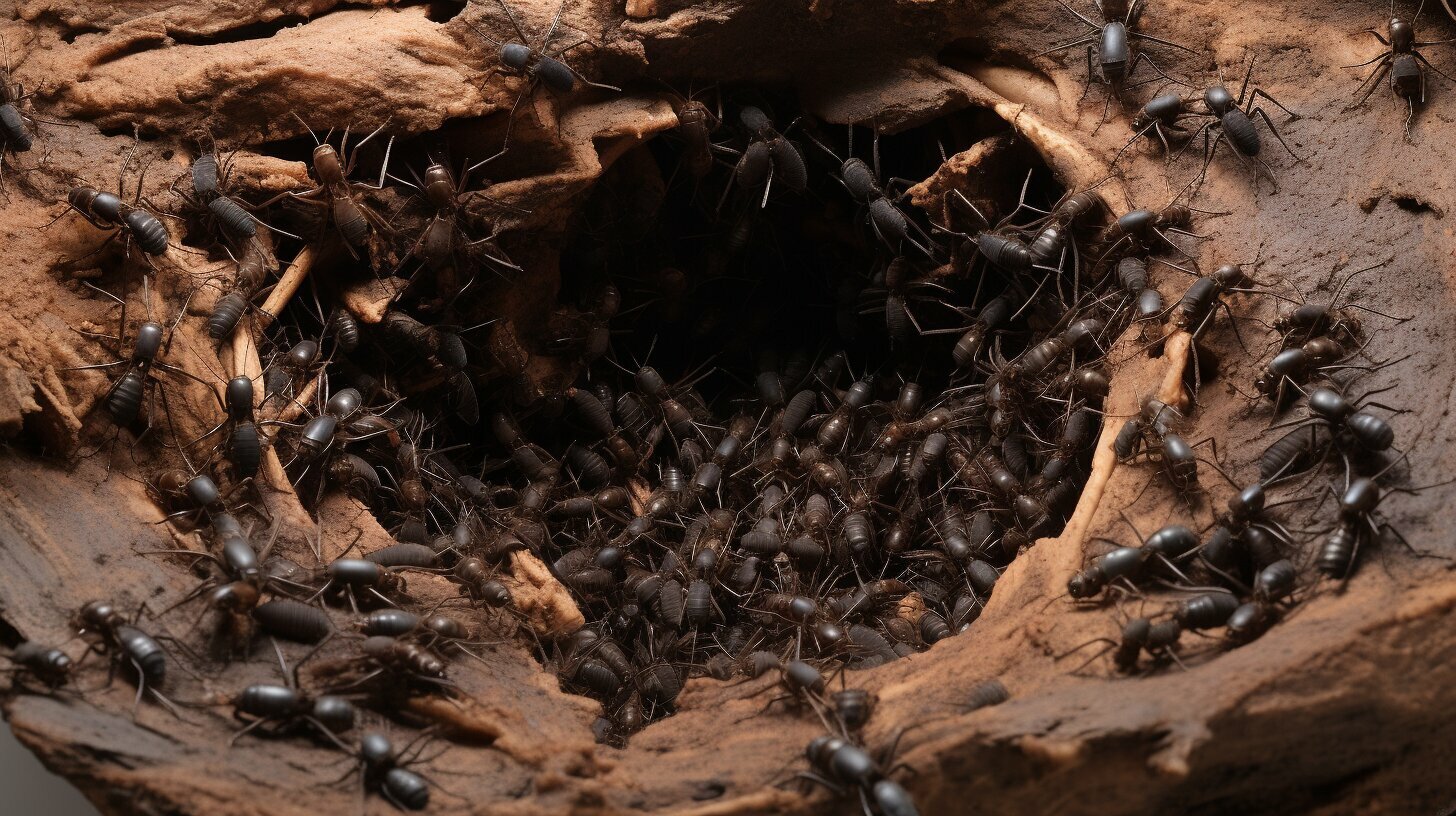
(1346, 707)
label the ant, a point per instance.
(1402, 60)
(1113, 38)
(537, 63)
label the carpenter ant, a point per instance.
(537, 63)
(432, 630)
(1144, 230)
(1334, 318)
(695, 125)
(1360, 520)
(337, 194)
(838, 765)
(991, 317)
(1194, 312)
(286, 708)
(391, 669)
(801, 684)
(123, 400)
(439, 241)
(888, 221)
(287, 369)
(1246, 526)
(769, 154)
(1348, 419)
(209, 183)
(357, 575)
(1113, 43)
(283, 709)
(47, 664)
(1161, 117)
(1272, 588)
(1155, 420)
(243, 445)
(253, 268)
(1231, 121)
(16, 127)
(1132, 274)
(1158, 638)
(127, 646)
(1295, 367)
(899, 291)
(1166, 544)
(236, 594)
(384, 770)
(319, 435)
(595, 663)
(1402, 60)
(108, 211)
(1000, 245)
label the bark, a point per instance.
(1343, 708)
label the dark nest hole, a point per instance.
(738, 433)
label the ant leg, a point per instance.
(1143, 57)
(141, 688)
(1139, 133)
(1087, 86)
(1376, 58)
(1258, 92)
(1275, 131)
(1192, 138)
(604, 86)
(1428, 64)
(249, 727)
(1209, 150)
(1151, 38)
(1244, 89)
(1233, 324)
(1374, 79)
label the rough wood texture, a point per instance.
(1344, 708)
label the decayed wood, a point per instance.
(1343, 708)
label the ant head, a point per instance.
(344, 404)
(1218, 100)
(1136, 222)
(1249, 502)
(1083, 585)
(1402, 34)
(1329, 404)
(515, 55)
(326, 161)
(240, 397)
(439, 184)
(95, 613)
(375, 748)
(148, 341)
(336, 714)
(1230, 275)
(1362, 496)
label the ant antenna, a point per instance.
(306, 127)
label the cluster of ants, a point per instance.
(1243, 577)
(777, 487)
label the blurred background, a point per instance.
(30, 789)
